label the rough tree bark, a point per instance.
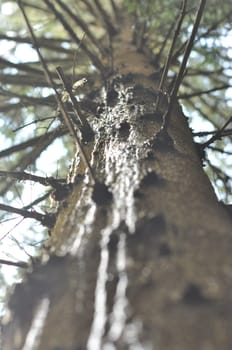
(149, 268)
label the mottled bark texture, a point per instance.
(146, 268)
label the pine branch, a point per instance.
(20, 264)
(23, 176)
(61, 105)
(69, 122)
(27, 159)
(25, 67)
(92, 56)
(216, 149)
(35, 141)
(217, 135)
(184, 62)
(82, 25)
(189, 48)
(227, 132)
(37, 200)
(114, 7)
(165, 39)
(170, 53)
(85, 128)
(199, 93)
(47, 220)
(106, 18)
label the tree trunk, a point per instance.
(146, 268)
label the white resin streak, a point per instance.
(33, 336)
(118, 317)
(124, 210)
(83, 229)
(100, 312)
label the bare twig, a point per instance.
(82, 25)
(217, 135)
(21, 264)
(23, 176)
(216, 149)
(92, 56)
(47, 220)
(164, 41)
(106, 18)
(85, 127)
(114, 7)
(189, 47)
(227, 132)
(37, 200)
(198, 93)
(170, 52)
(37, 140)
(61, 105)
(27, 159)
(182, 69)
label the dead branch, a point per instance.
(227, 132)
(170, 52)
(23, 176)
(47, 220)
(37, 200)
(182, 69)
(85, 127)
(82, 25)
(21, 264)
(106, 18)
(199, 93)
(61, 105)
(217, 135)
(35, 141)
(92, 56)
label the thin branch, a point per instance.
(47, 220)
(61, 105)
(22, 79)
(12, 228)
(37, 140)
(21, 264)
(227, 132)
(93, 57)
(114, 7)
(39, 120)
(199, 93)
(25, 67)
(164, 41)
(220, 150)
(82, 25)
(106, 18)
(182, 69)
(23, 176)
(204, 72)
(50, 44)
(170, 52)
(189, 48)
(70, 124)
(85, 128)
(37, 200)
(27, 159)
(91, 9)
(215, 25)
(217, 135)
